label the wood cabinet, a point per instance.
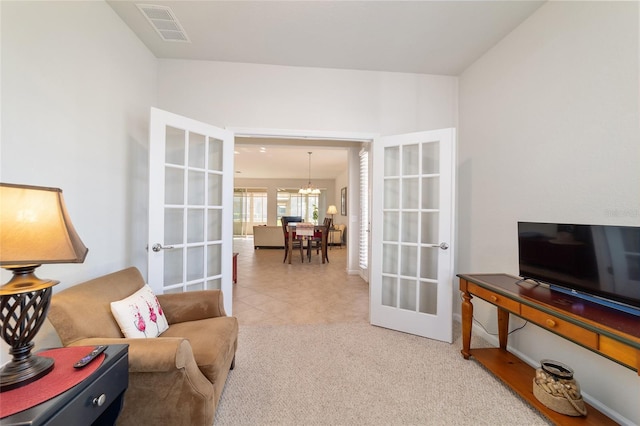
(97, 400)
(604, 330)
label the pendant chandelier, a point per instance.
(309, 189)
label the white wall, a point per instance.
(279, 97)
(549, 132)
(76, 90)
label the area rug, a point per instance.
(358, 374)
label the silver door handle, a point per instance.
(157, 247)
(442, 246)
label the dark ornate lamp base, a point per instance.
(24, 302)
(16, 374)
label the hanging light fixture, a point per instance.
(309, 189)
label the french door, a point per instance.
(411, 280)
(190, 206)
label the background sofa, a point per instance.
(174, 379)
(268, 237)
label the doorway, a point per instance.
(312, 294)
(309, 140)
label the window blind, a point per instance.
(363, 252)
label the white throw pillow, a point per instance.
(140, 315)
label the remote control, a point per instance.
(90, 357)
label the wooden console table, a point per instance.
(606, 331)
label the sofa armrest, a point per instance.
(163, 374)
(160, 354)
(192, 305)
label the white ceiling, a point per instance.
(279, 161)
(429, 37)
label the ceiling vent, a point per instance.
(164, 22)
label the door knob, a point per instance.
(442, 246)
(157, 247)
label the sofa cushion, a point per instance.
(140, 315)
(212, 340)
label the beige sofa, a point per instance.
(174, 379)
(268, 237)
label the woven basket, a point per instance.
(560, 404)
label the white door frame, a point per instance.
(248, 132)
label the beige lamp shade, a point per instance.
(35, 227)
(332, 210)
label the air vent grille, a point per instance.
(164, 22)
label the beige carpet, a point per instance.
(357, 374)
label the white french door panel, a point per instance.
(412, 233)
(190, 242)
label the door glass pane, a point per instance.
(409, 227)
(431, 192)
(174, 186)
(215, 154)
(215, 284)
(408, 294)
(390, 258)
(195, 286)
(392, 161)
(409, 261)
(174, 148)
(173, 226)
(214, 255)
(391, 226)
(172, 266)
(429, 263)
(389, 291)
(428, 298)
(410, 160)
(430, 228)
(215, 189)
(214, 225)
(196, 150)
(391, 193)
(195, 263)
(410, 193)
(431, 158)
(196, 188)
(195, 225)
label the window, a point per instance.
(249, 209)
(290, 203)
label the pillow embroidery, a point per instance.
(140, 315)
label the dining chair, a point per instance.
(297, 243)
(316, 241)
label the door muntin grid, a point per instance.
(192, 211)
(411, 218)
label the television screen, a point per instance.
(598, 260)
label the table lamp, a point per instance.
(34, 229)
(332, 210)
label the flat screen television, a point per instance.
(598, 262)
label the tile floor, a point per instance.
(271, 292)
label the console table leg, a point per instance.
(503, 327)
(467, 318)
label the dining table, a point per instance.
(306, 231)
